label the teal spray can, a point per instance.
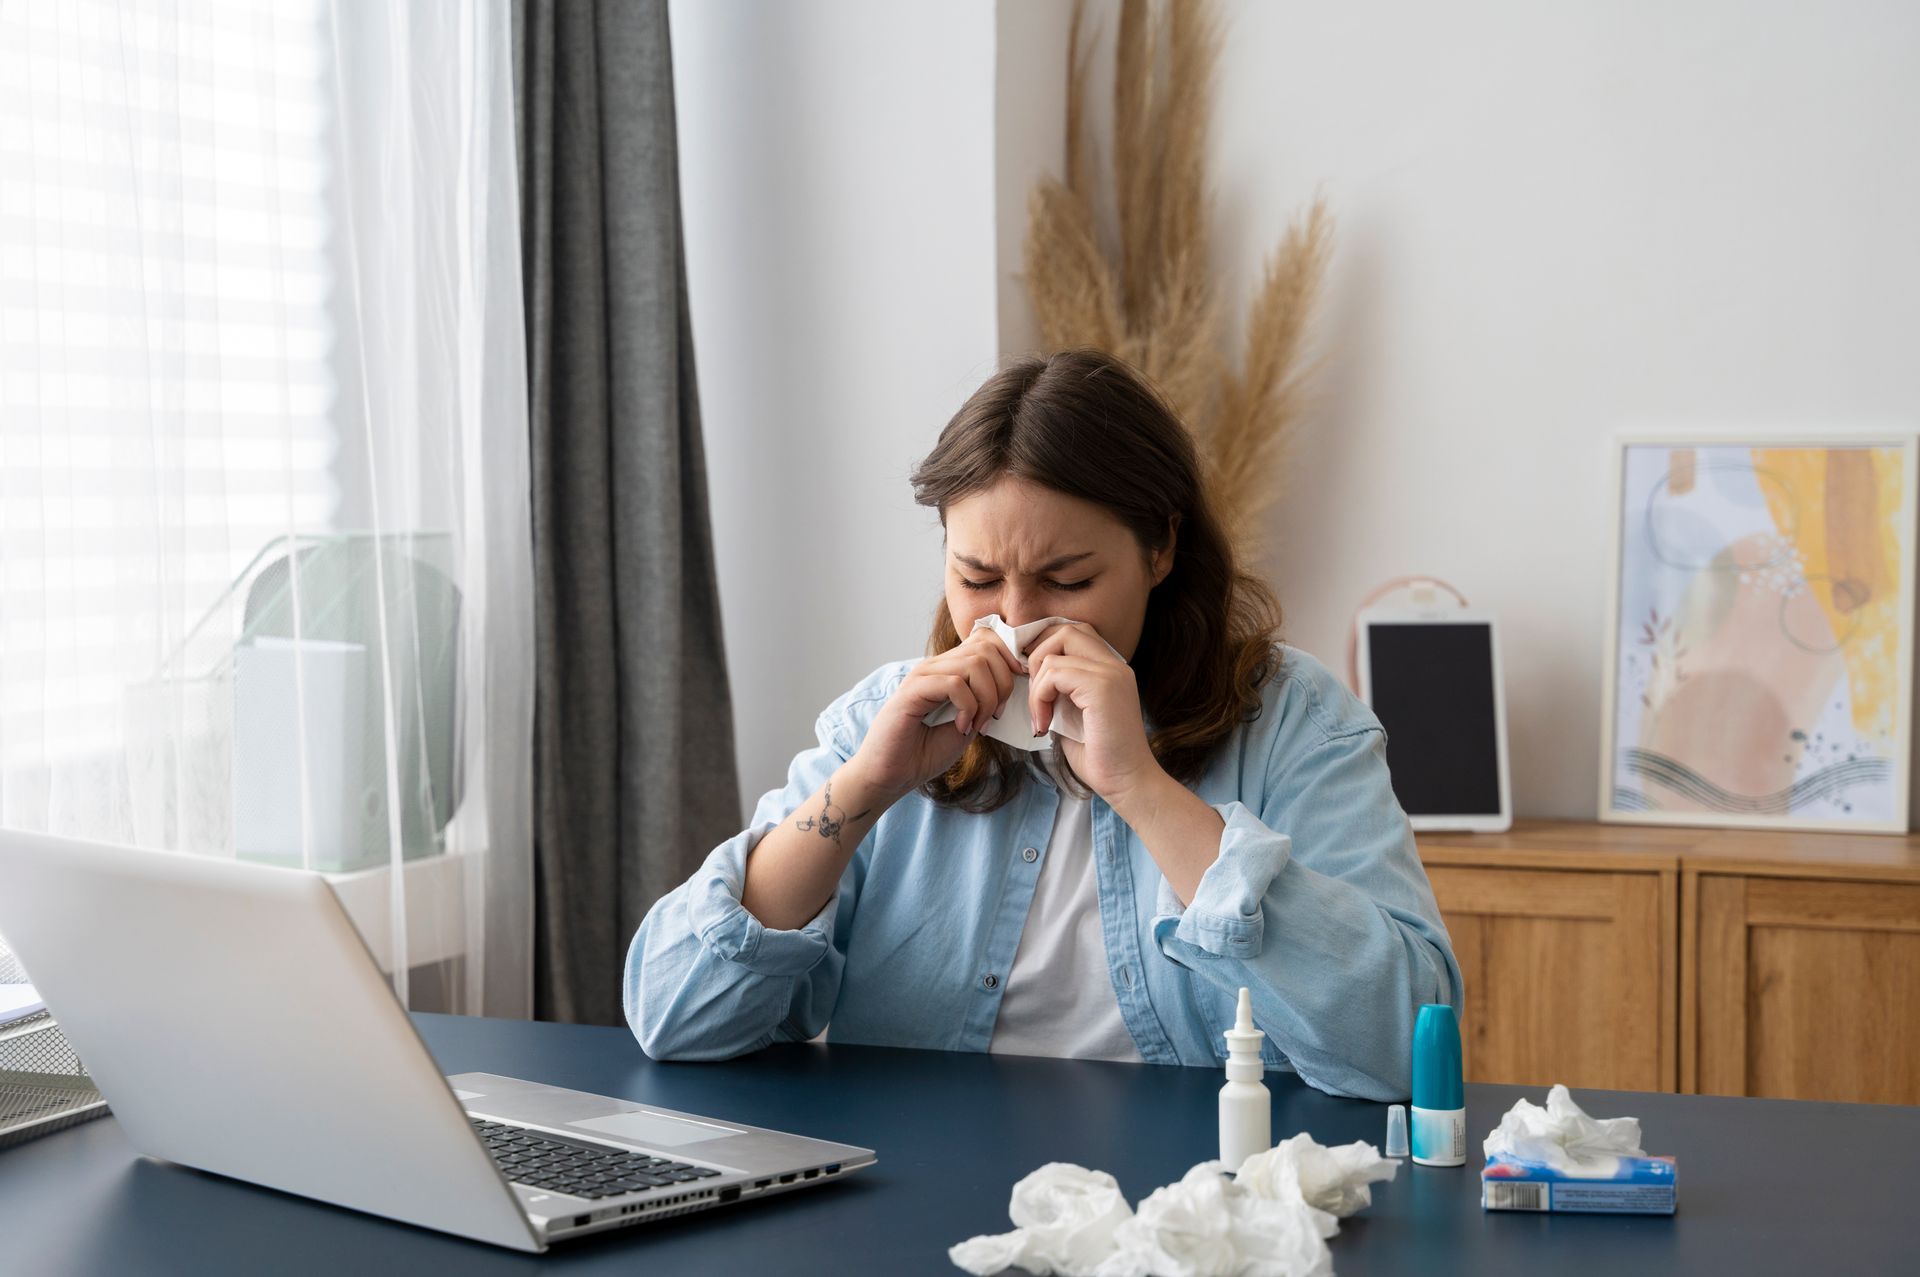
(1439, 1091)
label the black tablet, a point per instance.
(1433, 678)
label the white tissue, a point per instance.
(1562, 1136)
(1064, 1217)
(997, 1252)
(1271, 1221)
(1334, 1180)
(1187, 1230)
(1014, 726)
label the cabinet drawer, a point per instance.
(1804, 989)
(1570, 975)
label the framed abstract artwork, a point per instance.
(1760, 631)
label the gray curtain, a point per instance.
(634, 774)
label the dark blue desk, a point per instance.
(1765, 1186)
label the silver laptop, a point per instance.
(236, 1023)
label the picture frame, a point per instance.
(1759, 641)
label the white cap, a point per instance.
(1243, 1044)
(1397, 1130)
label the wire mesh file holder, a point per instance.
(43, 1085)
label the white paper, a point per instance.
(1562, 1136)
(1014, 726)
(1271, 1221)
(320, 685)
(18, 1001)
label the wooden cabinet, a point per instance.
(1718, 961)
(1801, 968)
(1568, 944)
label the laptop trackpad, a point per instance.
(656, 1129)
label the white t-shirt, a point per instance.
(1059, 997)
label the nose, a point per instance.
(1019, 607)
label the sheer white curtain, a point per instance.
(265, 583)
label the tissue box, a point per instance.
(1612, 1186)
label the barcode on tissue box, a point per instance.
(1514, 1196)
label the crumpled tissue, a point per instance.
(1334, 1180)
(1562, 1136)
(1014, 727)
(1064, 1219)
(1271, 1221)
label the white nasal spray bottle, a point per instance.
(1246, 1110)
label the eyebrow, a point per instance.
(1053, 566)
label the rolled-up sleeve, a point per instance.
(705, 980)
(1318, 904)
(1228, 916)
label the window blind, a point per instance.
(167, 335)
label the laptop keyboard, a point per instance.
(580, 1170)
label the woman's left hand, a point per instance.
(1070, 660)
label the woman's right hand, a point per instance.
(901, 753)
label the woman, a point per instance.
(1226, 819)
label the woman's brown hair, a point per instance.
(1085, 423)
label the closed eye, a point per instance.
(1057, 585)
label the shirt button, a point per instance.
(1030, 855)
(989, 981)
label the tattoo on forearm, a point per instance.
(831, 819)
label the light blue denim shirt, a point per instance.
(1317, 903)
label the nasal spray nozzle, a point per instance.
(1246, 1110)
(1243, 1044)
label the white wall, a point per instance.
(1554, 219)
(1030, 103)
(836, 168)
